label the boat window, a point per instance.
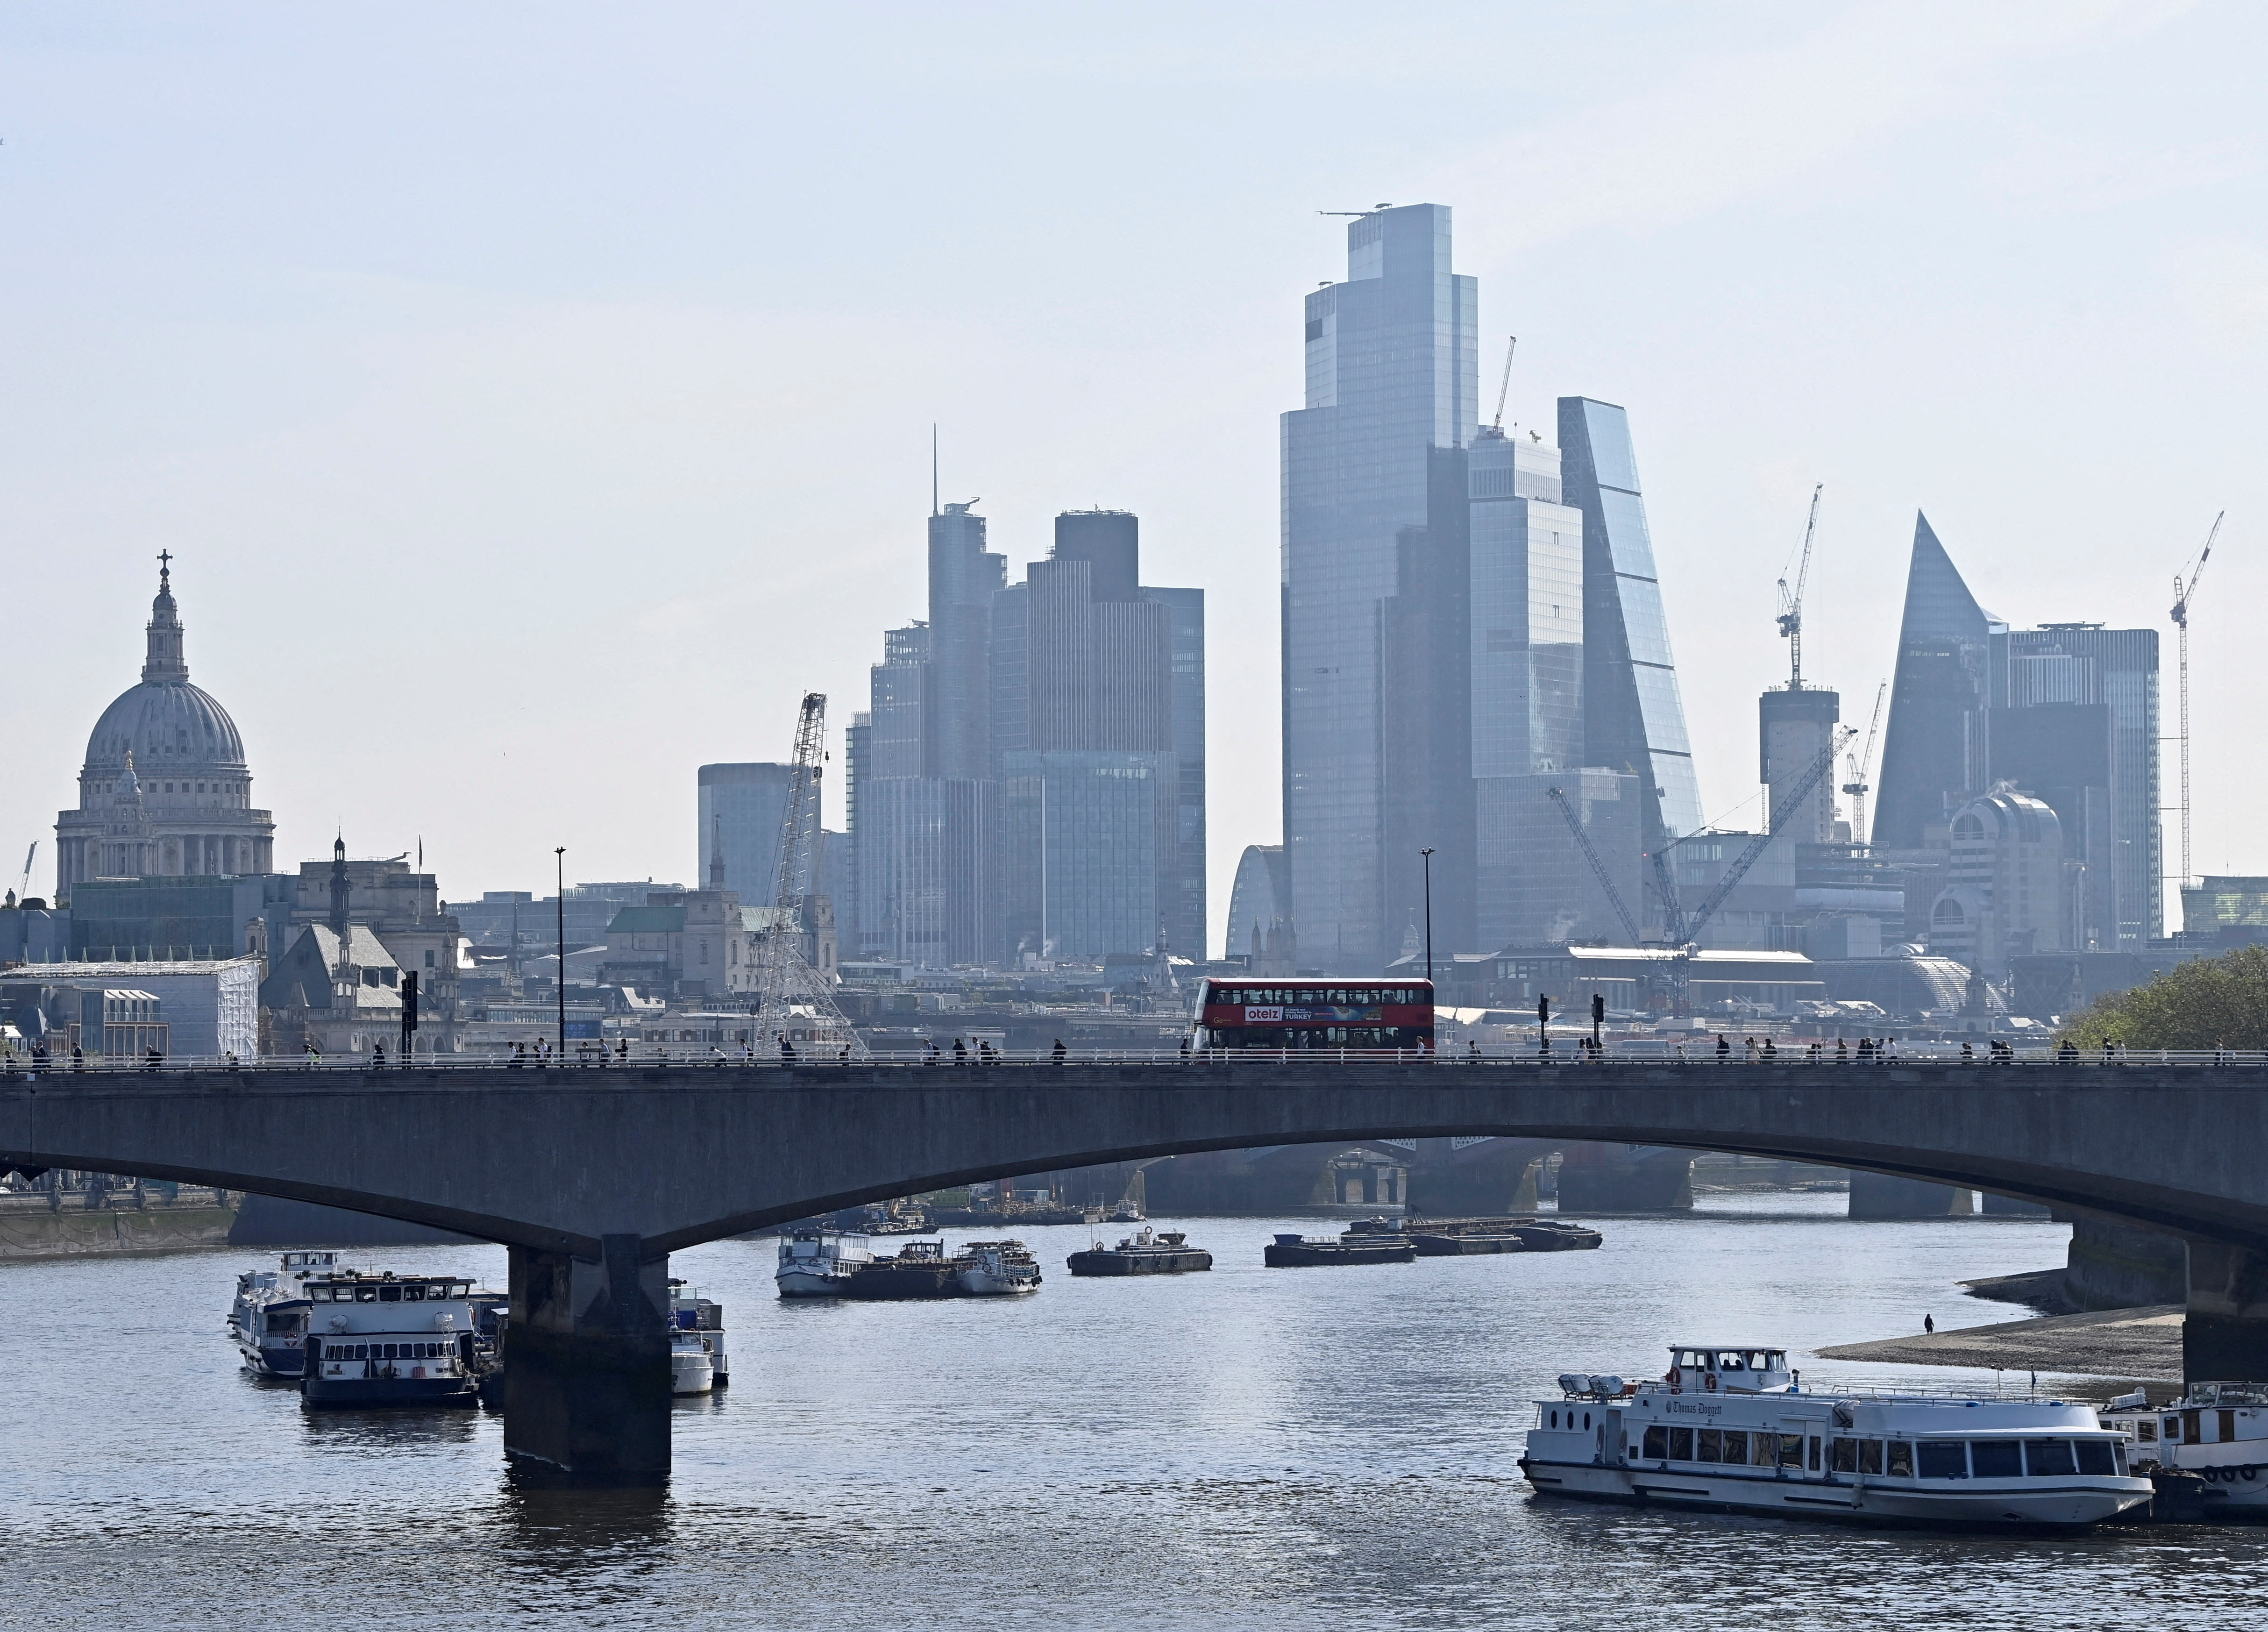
(415, 1292)
(1759, 1361)
(389, 1295)
(1555, 1420)
(2190, 1428)
(1995, 1458)
(1870, 1456)
(1778, 1361)
(1901, 1463)
(1712, 1446)
(1842, 1456)
(1686, 1358)
(2146, 1430)
(361, 1352)
(366, 1294)
(2045, 1457)
(2173, 1430)
(1680, 1444)
(1941, 1459)
(1657, 1443)
(1791, 1450)
(1587, 1419)
(1736, 1446)
(1731, 1360)
(2228, 1427)
(1814, 1455)
(2094, 1457)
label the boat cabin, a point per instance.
(1721, 1367)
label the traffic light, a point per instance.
(1598, 1009)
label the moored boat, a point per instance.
(696, 1323)
(1557, 1235)
(389, 1340)
(1144, 1253)
(1292, 1251)
(268, 1320)
(1732, 1429)
(819, 1263)
(994, 1269)
(2215, 1432)
(920, 1269)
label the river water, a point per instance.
(1249, 1447)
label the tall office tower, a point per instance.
(1525, 659)
(1633, 721)
(963, 577)
(741, 807)
(1185, 916)
(2073, 721)
(1928, 756)
(926, 838)
(858, 760)
(1392, 376)
(1098, 709)
(1793, 728)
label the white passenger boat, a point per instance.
(816, 1263)
(389, 1340)
(996, 1269)
(2218, 1431)
(696, 1342)
(1732, 1429)
(268, 1320)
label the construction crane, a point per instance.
(1681, 932)
(1606, 880)
(790, 998)
(24, 884)
(1505, 389)
(1856, 787)
(1791, 604)
(2185, 583)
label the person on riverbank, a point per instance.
(1929, 1324)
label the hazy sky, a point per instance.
(538, 398)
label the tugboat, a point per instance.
(2216, 1434)
(267, 1321)
(994, 1269)
(1144, 1253)
(820, 1263)
(389, 1340)
(1292, 1251)
(696, 1342)
(1732, 1429)
(920, 1269)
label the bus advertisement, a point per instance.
(1271, 1012)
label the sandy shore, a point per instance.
(2138, 1345)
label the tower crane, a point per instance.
(24, 884)
(1504, 388)
(1856, 787)
(1791, 604)
(1683, 933)
(2185, 583)
(790, 994)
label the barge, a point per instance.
(1144, 1253)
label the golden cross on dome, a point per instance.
(165, 563)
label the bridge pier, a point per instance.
(2225, 1334)
(586, 1367)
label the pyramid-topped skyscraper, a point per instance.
(1932, 748)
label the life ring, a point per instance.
(1709, 1381)
(1675, 1379)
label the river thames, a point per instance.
(1248, 1448)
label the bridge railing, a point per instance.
(1637, 1051)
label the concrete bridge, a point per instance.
(593, 1177)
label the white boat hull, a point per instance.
(814, 1283)
(691, 1372)
(1971, 1503)
(984, 1283)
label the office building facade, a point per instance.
(741, 810)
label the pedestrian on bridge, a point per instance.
(960, 1052)
(1842, 1053)
(1724, 1050)
(1060, 1052)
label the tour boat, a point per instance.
(819, 1263)
(1732, 1429)
(2218, 1431)
(697, 1328)
(268, 1319)
(1144, 1253)
(994, 1269)
(389, 1340)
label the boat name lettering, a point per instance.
(1696, 1409)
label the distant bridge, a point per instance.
(591, 1178)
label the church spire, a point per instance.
(164, 663)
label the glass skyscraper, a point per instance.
(1928, 754)
(1391, 375)
(1633, 720)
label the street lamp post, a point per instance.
(1428, 853)
(559, 861)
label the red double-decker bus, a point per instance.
(1268, 1012)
